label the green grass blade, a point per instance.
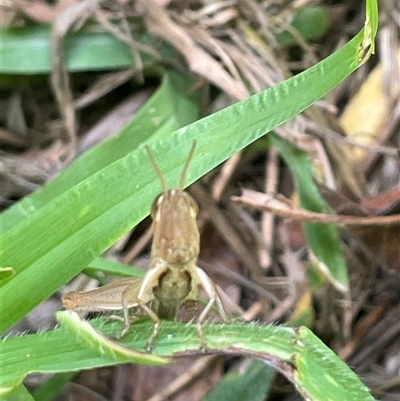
(108, 266)
(310, 22)
(323, 239)
(370, 29)
(300, 356)
(27, 50)
(252, 385)
(48, 390)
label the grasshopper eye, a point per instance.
(193, 205)
(155, 206)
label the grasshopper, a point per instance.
(172, 279)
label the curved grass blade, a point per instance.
(298, 354)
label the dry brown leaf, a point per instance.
(367, 112)
(60, 76)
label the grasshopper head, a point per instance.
(174, 212)
(176, 235)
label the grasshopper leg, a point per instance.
(156, 328)
(126, 328)
(126, 320)
(110, 318)
(211, 291)
(146, 295)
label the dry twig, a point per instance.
(258, 200)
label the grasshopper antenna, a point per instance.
(184, 171)
(159, 172)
